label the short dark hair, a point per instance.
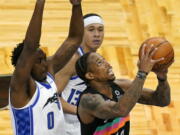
(16, 53)
(82, 66)
(90, 14)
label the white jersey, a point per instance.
(71, 94)
(43, 115)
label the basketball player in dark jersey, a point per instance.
(105, 105)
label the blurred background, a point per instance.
(127, 24)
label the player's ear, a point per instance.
(89, 76)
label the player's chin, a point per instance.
(111, 78)
(95, 46)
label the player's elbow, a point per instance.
(77, 38)
(164, 104)
(122, 112)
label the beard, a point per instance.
(111, 79)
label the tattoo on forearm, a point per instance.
(161, 97)
(129, 99)
(162, 94)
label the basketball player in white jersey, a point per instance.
(68, 82)
(34, 104)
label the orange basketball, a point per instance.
(164, 49)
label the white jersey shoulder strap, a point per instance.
(80, 51)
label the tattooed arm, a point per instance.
(161, 96)
(158, 97)
(95, 105)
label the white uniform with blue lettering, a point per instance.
(71, 94)
(43, 115)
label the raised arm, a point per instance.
(95, 105)
(64, 75)
(21, 76)
(62, 78)
(73, 41)
(161, 96)
(33, 33)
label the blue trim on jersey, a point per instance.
(32, 126)
(50, 76)
(74, 77)
(24, 118)
(47, 85)
(37, 98)
(23, 121)
(80, 50)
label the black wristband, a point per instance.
(161, 79)
(141, 74)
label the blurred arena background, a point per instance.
(127, 24)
